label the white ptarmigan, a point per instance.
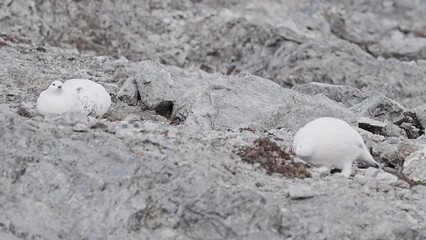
(75, 95)
(56, 100)
(333, 143)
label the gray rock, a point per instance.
(415, 165)
(400, 46)
(338, 62)
(80, 128)
(379, 107)
(71, 119)
(220, 103)
(381, 128)
(300, 191)
(420, 112)
(386, 178)
(419, 191)
(129, 92)
(99, 175)
(290, 42)
(384, 149)
(393, 130)
(344, 94)
(387, 29)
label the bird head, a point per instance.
(55, 86)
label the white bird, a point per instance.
(56, 100)
(94, 98)
(332, 143)
(75, 95)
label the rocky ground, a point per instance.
(207, 96)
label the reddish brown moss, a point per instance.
(23, 112)
(273, 158)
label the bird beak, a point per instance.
(59, 87)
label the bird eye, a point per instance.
(53, 84)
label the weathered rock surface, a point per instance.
(164, 182)
(165, 161)
(388, 29)
(290, 42)
(420, 112)
(348, 96)
(215, 102)
(415, 165)
(379, 107)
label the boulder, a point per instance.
(214, 102)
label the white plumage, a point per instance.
(56, 100)
(93, 96)
(332, 143)
(75, 95)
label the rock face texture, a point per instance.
(207, 96)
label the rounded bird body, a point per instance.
(75, 95)
(332, 143)
(95, 99)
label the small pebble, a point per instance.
(80, 128)
(300, 191)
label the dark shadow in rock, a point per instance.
(98, 125)
(378, 130)
(165, 108)
(274, 159)
(206, 68)
(41, 49)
